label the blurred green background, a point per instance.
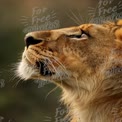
(26, 101)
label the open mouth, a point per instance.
(43, 69)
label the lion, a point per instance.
(85, 62)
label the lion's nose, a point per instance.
(30, 40)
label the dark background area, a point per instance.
(26, 101)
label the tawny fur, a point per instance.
(89, 68)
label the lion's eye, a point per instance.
(75, 36)
(80, 36)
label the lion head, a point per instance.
(85, 60)
(76, 52)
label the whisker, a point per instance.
(16, 84)
(51, 92)
(56, 70)
(75, 16)
(92, 16)
(12, 78)
(72, 18)
(62, 66)
(80, 15)
(55, 59)
(59, 62)
(53, 67)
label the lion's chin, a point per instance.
(26, 71)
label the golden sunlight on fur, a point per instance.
(85, 62)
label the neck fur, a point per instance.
(93, 94)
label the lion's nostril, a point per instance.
(31, 41)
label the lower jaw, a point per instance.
(59, 82)
(50, 77)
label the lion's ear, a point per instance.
(118, 35)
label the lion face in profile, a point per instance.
(64, 54)
(77, 58)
